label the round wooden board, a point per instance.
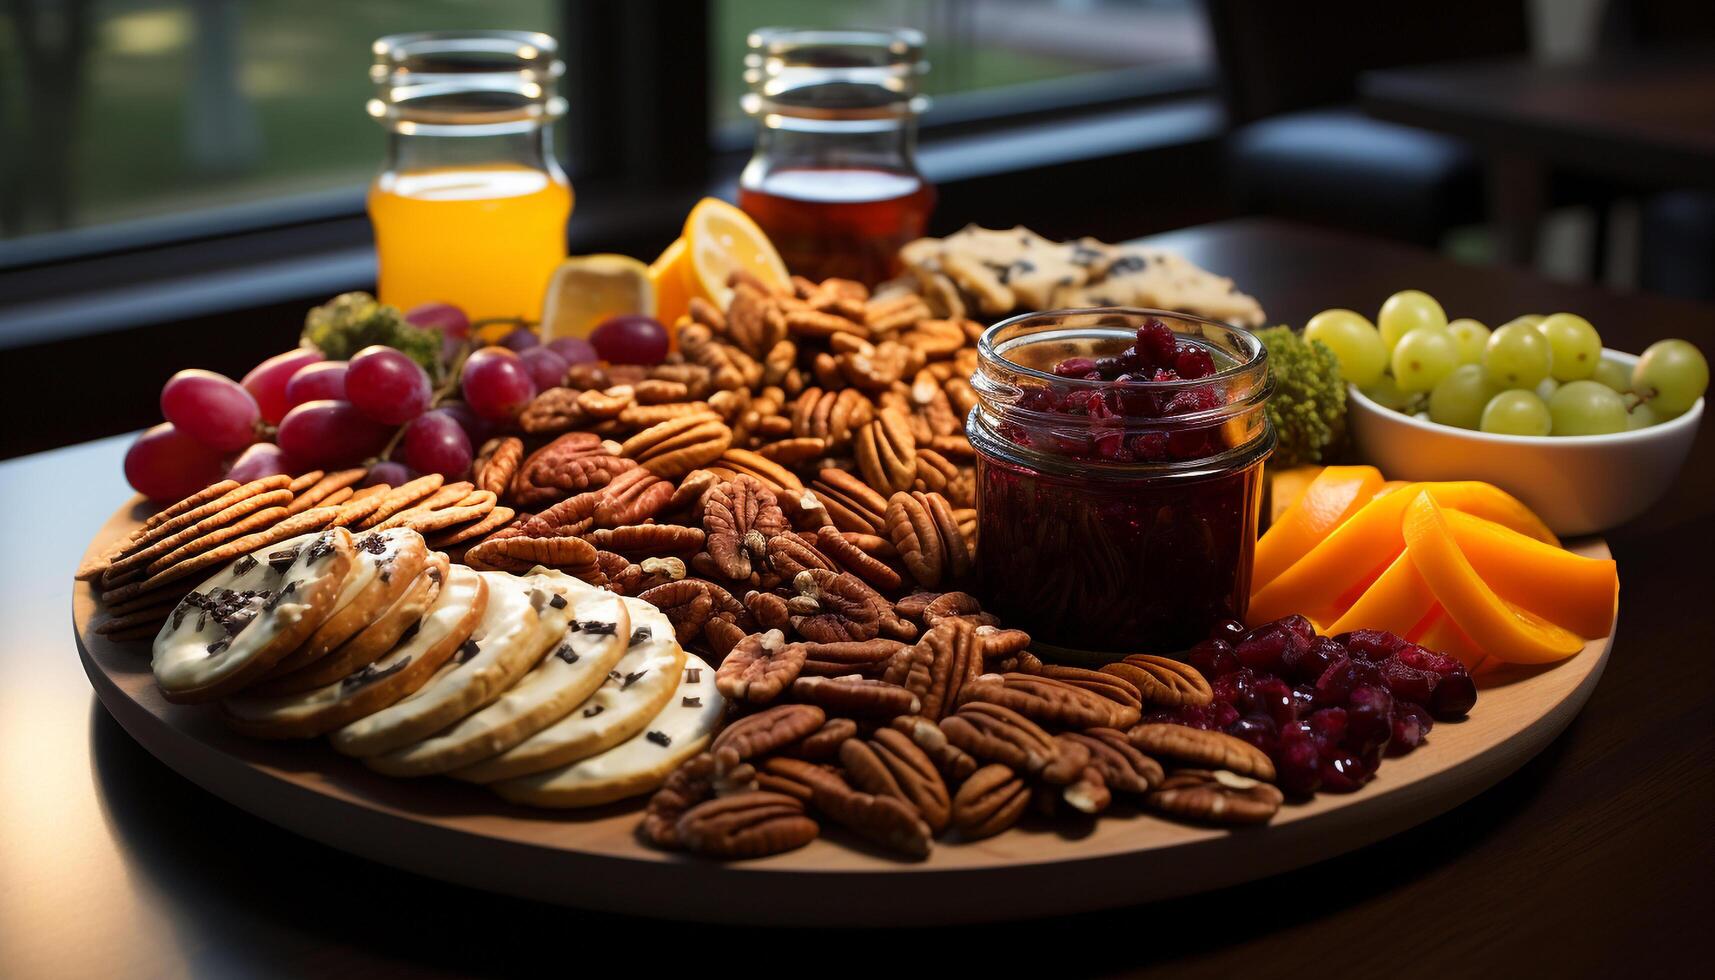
(592, 859)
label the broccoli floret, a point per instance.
(350, 322)
(1308, 408)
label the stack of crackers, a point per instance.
(985, 273)
(143, 576)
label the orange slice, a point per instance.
(1328, 501)
(670, 274)
(721, 240)
(1569, 590)
(587, 289)
(1505, 631)
(1331, 576)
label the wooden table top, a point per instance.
(1592, 859)
(1647, 116)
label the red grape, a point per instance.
(165, 464)
(386, 385)
(496, 383)
(324, 379)
(263, 459)
(575, 350)
(331, 433)
(631, 339)
(434, 443)
(475, 427)
(210, 408)
(387, 473)
(521, 339)
(266, 382)
(546, 368)
(445, 317)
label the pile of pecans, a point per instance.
(794, 490)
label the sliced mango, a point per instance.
(1441, 634)
(1569, 590)
(1400, 601)
(1491, 503)
(1329, 578)
(1327, 501)
(1503, 630)
(1288, 485)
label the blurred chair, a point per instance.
(1301, 148)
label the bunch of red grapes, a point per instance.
(325, 414)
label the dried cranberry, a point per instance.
(1270, 647)
(1275, 699)
(1156, 343)
(1369, 717)
(1308, 662)
(1149, 447)
(1258, 730)
(1200, 399)
(1112, 447)
(1165, 374)
(1409, 683)
(1234, 688)
(1371, 644)
(1411, 723)
(1212, 658)
(1329, 726)
(1298, 626)
(1425, 659)
(1344, 774)
(1222, 715)
(1454, 697)
(1335, 685)
(1298, 768)
(1230, 630)
(1074, 367)
(1304, 698)
(1192, 444)
(1193, 362)
(1037, 399)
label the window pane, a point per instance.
(143, 108)
(982, 45)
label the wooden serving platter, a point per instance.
(593, 859)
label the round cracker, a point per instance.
(320, 492)
(387, 564)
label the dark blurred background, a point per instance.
(181, 179)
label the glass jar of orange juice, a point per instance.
(470, 207)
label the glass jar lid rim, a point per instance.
(989, 347)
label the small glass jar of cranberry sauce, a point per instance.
(1119, 476)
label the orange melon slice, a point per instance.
(1399, 601)
(1502, 629)
(1287, 486)
(1571, 591)
(1443, 635)
(1331, 576)
(1328, 501)
(1491, 503)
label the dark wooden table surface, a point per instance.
(1642, 117)
(1592, 860)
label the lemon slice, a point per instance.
(587, 289)
(670, 274)
(721, 240)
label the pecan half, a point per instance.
(740, 515)
(824, 743)
(884, 820)
(572, 463)
(944, 661)
(632, 497)
(960, 604)
(789, 554)
(844, 608)
(764, 732)
(686, 786)
(855, 696)
(686, 603)
(836, 545)
(856, 657)
(746, 825)
(496, 463)
(954, 763)
(886, 452)
(644, 540)
(990, 801)
(551, 412)
(1218, 797)
(759, 668)
(1050, 702)
(993, 733)
(678, 446)
(850, 502)
(1163, 681)
(890, 764)
(512, 550)
(1111, 686)
(922, 528)
(1123, 767)
(1202, 749)
(768, 610)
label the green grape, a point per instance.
(1532, 320)
(1423, 357)
(1586, 408)
(1516, 413)
(1546, 388)
(1641, 416)
(1460, 397)
(1471, 337)
(1517, 356)
(1613, 374)
(1671, 375)
(1573, 344)
(1408, 310)
(1386, 393)
(1355, 343)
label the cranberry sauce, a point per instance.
(1119, 465)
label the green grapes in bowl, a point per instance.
(1587, 436)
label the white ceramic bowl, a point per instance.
(1577, 484)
